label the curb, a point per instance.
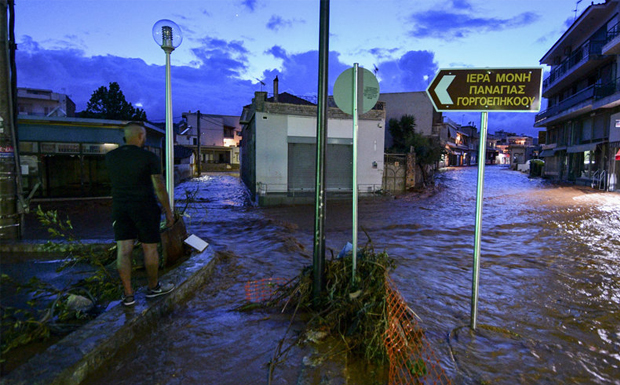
(81, 353)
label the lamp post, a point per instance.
(167, 35)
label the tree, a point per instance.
(110, 103)
(428, 150)
(402, 133)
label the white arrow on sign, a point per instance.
(442, 89)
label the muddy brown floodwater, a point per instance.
(549, 304)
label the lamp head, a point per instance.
(167, 35)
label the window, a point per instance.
(229, 132)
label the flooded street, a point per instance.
(549, 296)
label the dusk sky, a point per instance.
(74, 47)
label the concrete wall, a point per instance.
(272, 150)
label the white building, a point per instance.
(279, 149)
(38, 102)
(219, 139)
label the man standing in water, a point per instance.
(137, 185)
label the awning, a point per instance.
(547, 153)
(618, 155)
(582, 148)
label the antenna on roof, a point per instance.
(576, 7)
(261, 84)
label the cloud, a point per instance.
(222, 57)
(411, 72)
(382, 53)
(299, 72)
(276, 23)
(216, 85)
(451, 25)
(277, 51)
(461, 4)
(250, 4)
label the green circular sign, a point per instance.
(368, 91)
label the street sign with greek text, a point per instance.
(487, 89)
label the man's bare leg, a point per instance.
(123, 263)
(151, 263)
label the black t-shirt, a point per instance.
(130, 169)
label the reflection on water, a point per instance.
(549, 305)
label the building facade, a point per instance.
(582, 120)
(64, 157)
(278, 150)
(38, 102)
(220, 138)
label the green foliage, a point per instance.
(417, 368)
(110, 103)
(353, 310)
(428, 150)
(48, 311)
(402, 132)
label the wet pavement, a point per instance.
(549, 287)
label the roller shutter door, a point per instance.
(301, 167)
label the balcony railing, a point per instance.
(603, 90)
(590, 50)
(612, 33)
(579, 97)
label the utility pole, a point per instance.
(199, 165)
(321, 143)
(10, 217)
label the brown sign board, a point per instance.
(487, 89)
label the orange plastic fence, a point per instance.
(411, 358)
(263, 289)
(410, 355)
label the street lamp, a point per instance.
(167, 35)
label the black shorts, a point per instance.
(136, 221)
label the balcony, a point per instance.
(574, 105)
(607, 95)
(577, 65)
(612, 42)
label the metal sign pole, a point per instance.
(476, 269)
(169, 136)
(356, 79)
